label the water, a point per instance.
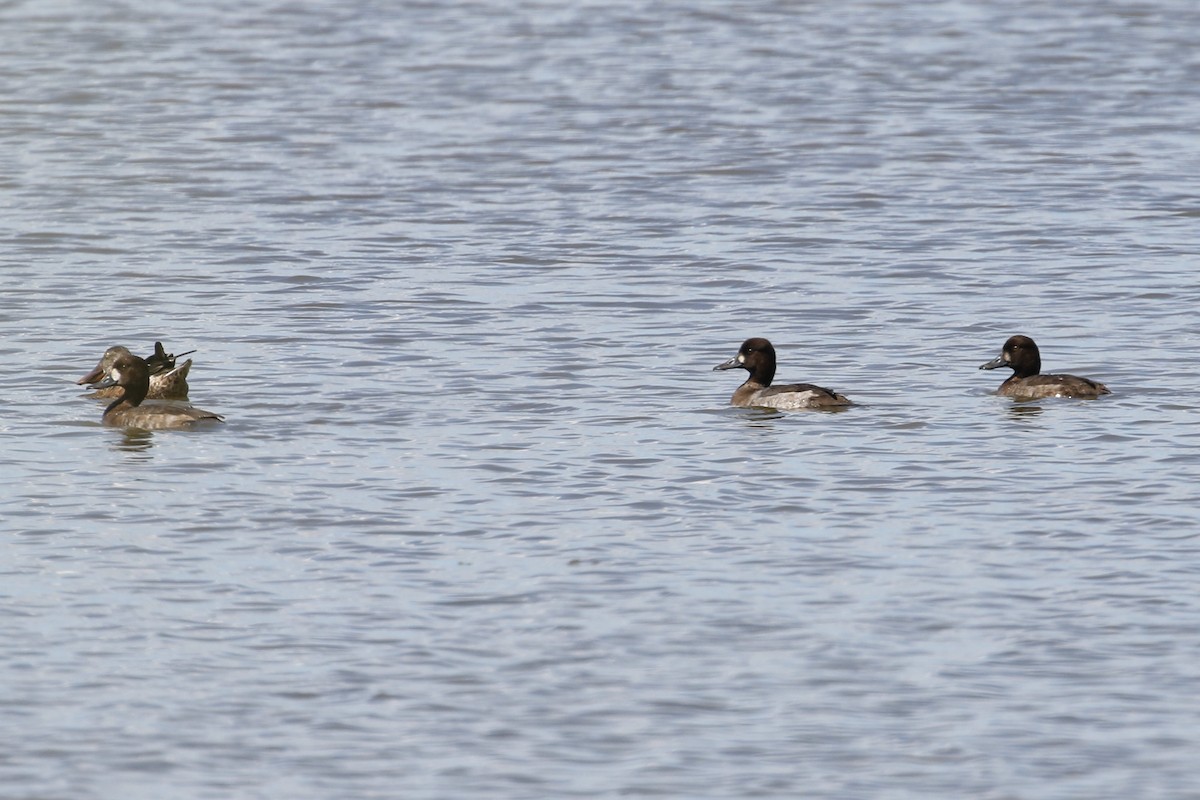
(480, 523)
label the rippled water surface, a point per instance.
(480, 523)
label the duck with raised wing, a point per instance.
(757, 356)
(1021, 355)
(167, 381)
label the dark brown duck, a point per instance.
(131, 374)
(1021, 355)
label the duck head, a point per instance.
(756, 356)
(1020, 354)
(131, 374)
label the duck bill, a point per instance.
(732, 363)
(104, 384)
(91, 377)
(998, 361)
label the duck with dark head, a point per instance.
(757, 356)
(131, 374)
(167, 381)
(1027, 382)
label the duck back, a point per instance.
(155, 416)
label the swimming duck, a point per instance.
(167, 382)
(133, 376)
(757, 356)
(1022, 356)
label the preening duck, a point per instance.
(167, 381)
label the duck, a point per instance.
(167, 381)
(132, 375)
(1021, 355)
(757, 356)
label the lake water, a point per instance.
(481, 523)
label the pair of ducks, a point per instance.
(1020, 354)
(132, 380)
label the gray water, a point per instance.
(480, 523)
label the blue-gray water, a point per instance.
(480, 523)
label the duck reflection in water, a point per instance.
(133, 376)
(136, 440)
(1025, 410)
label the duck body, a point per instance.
(167, 381)
(153, 416)
(131, 375)
(757, 356)
(1021, 354)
